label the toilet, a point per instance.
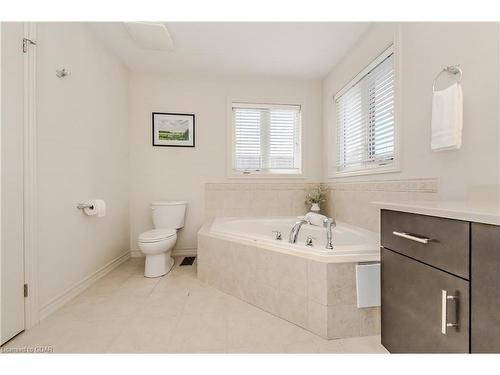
(157, 244)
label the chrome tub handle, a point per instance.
(309, 241)
(412, 237)
(277, 235)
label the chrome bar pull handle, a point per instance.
(412, 237)
(444, 312)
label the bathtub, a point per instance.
(310, 286)
(349, 242)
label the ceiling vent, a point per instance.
(150, 35)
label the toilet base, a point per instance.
(158, 265)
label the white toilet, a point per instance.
(157, 244)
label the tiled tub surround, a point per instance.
(316, 292)
(351, 202)
(256, 199)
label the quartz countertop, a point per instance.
(478, 212)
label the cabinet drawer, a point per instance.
(439, 242)
(412, 307)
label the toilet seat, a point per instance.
(156, 235)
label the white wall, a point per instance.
(424, 48)
(83, 153)
(163, 173)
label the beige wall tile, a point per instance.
(351, 202)
(341, 284)
(292, 275)
(317, 282)
(317, 318)
(256, 199)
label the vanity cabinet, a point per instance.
(440, 284)
(425, 283)
(485, 291)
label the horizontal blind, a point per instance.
(365, 119)
(247, 139)
(266, 137)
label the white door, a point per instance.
(11, 179)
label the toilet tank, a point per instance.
(168, 214)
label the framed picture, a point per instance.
(173, 129)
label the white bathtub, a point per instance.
(354, 243)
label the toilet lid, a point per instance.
(156, 235)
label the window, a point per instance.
(365, 119)
(266, 138)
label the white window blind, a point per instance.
(266, 138)
(365, 117)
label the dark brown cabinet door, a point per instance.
(412, 307)
(485, 293)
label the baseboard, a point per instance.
(80, 286)
(136, 254)
(175, 253)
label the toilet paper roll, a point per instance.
(98, 207)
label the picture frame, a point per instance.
(173, 129)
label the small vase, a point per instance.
(315, 207)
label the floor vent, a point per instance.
(188, 261)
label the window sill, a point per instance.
(364, 172)
(265, 175)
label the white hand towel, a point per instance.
(315, 219)
(447, 113)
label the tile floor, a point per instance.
(177, 313)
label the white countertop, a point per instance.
(479, 212)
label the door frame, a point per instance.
(1, 127)
(29, 178)
(31, 308)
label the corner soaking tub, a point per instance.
(349, 241)
(310, 286)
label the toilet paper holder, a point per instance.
(81, 206)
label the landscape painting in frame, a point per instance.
(173, 129)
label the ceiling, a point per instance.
(292, 49)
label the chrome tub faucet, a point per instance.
(329, 224)
(294, 233)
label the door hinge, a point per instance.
(26, 43)
(25, 290)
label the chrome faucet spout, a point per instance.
(294, 232)
(329, 224)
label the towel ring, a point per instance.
(451, 69)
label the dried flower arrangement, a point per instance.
(316, 195)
